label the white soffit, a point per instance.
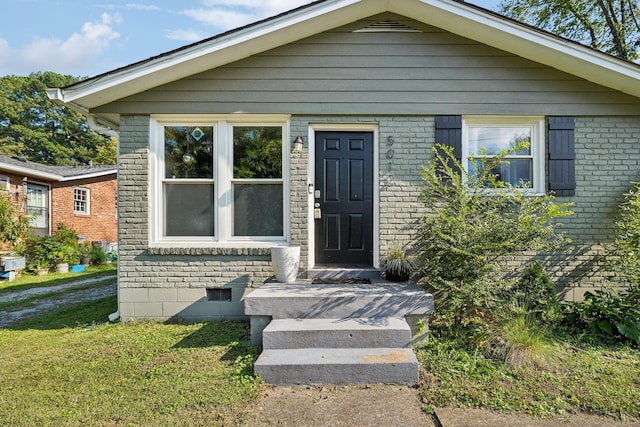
(450, 15)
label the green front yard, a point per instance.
(72, 368)
(123, 374)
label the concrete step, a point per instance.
(335, 301)
(383, 332)
(338, 366)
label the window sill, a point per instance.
(210, 251)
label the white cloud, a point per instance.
(220, 18)
(146, 7)
(228, 14)
(78, 53)
(185, 35)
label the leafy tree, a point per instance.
(611, 26)
(471, 222)
(34, 128)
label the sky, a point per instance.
(85, 38)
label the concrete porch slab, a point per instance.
(303, 299)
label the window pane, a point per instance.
(257, 152)
(188, 152)
(514, 172)
(257, 210)
(496, 139)
(188, 210)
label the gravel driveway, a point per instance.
(56, 296)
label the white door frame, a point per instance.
(344, 127)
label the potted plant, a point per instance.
(84, 251)
(64, 256)
(397, 266)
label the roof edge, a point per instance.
(455, 16)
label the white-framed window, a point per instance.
(220, 180)
(4, 183)
(81, 200)
(486, 136)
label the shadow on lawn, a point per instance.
(234, 334)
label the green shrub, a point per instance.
(607, 313)
(97, 255)
(472, 221)
(614, 311)
(66, 236)
(624, 254)
(14, 225)
(45, 252)
(535, 294)
(41, 252)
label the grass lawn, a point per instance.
(71, 368)
(590, 379)
(67, 369)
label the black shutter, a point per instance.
(562, 155)
(449, 132)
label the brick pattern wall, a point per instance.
(160, 283)
(99, 225)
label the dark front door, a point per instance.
(343, 199)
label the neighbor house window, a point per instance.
(220, 181)
(485, 137)
(4, 183)
(81, 200)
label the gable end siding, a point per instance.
(373, 73)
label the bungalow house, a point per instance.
(310, 129)
(81, 197)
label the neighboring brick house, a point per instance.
(81, 197)
(369, 86)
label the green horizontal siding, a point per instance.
(341, 72)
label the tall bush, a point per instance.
(614, 311)
(14, 224)
(471, 222)
(624, 254)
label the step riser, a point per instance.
(341, 274)
(336, 374)
(336, 339)
(332, 308)
(338, 366)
